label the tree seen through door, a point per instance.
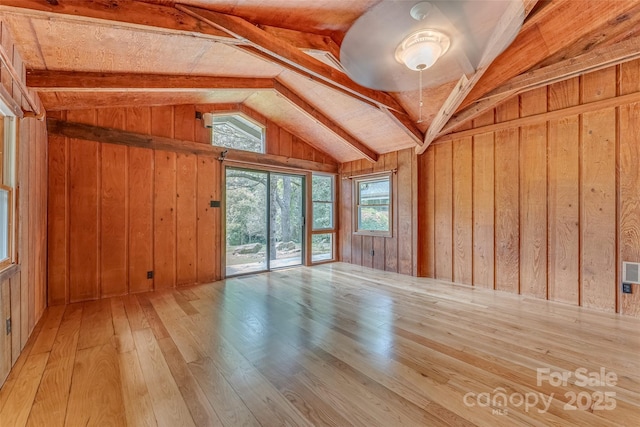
(246, 208)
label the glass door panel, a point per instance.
(286, 220)
(247, 225)
(264, 221)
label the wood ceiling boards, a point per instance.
(252, 39)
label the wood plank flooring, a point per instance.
(330, 345)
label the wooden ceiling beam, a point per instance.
(324, 121)
(304, 41)
(60, 101)
(622, 28)
(121, 137)
(60, 81)
(267, 43)
(401, 118)
(546, 37)
(597, 59)
(126, 12)
(322, 48)
(503, 30)
(406, 123)
(544, 117)
(285, 54)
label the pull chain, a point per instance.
(421, 103)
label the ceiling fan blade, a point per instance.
(368, 49)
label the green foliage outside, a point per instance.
(374, 204)
(374, 218)
(321, 246)
(322, 196)
(247, 207)
(235, 131)
(321, 188)
(247, 216)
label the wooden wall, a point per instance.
(396, 253)
(117, 212)
(550, 209)
(23, 286)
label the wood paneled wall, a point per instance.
(117, 212)
(396, 253)
(548, 210)
(23, 286)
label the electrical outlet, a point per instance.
(372, 253)
(149, 274)
(626, 288)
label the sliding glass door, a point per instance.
(264, 220)
(286, 220)
(247, 221)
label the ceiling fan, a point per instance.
(401, 45)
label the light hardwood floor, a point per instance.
(331, 345)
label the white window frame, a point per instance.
(356, 204)
(8, 181)
(243, 116)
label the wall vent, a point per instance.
(631, 272)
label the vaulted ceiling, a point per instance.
(278, 57)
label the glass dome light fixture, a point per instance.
(420, 50)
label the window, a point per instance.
(7, 184)
(373, 205)
(323, 215)
(322, 196)
(322, 247)
(238, 132)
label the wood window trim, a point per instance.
(356, 204)
(8, 271)
(333, 202)
(334, 220)
(334, 248)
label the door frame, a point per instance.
(306, 229)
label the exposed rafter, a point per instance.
(597, 59)
(326, 122)
(620, 28)
(58, 81)
(544, 117)
(283, 47)
(121, 137)
(268, 46)
(287, 54)
(406, 124)
(547, 34)
(126, 12)
(465, 85)
(304, 41)
(530, 48)
(322, 48)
